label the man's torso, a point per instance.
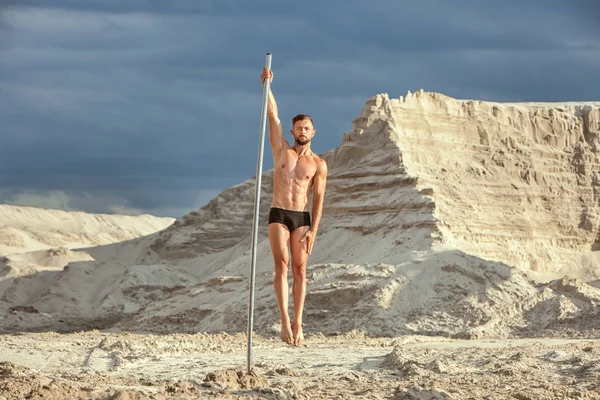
(292, 179)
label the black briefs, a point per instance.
(289, 218)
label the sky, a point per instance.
(154, 106)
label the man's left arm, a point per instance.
(319, 183)
(318, 195)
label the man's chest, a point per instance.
(292, 166)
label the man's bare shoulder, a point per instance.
(321, 164)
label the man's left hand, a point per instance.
(309, 237)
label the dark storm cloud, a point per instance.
(153, 106)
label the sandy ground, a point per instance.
(96, 365)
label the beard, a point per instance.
(302, 142)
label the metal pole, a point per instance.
(263, 125)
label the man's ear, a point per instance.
(292, 132)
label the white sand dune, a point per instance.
(439, 214)
(25, 229)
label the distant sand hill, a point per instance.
(24, 229)
(444, 217)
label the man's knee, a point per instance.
(299, 270)
(281, 265)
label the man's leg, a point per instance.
(279, 237)
(299, 259)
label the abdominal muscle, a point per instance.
(290, 195)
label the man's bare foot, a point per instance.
(286, 332)
(298, 334)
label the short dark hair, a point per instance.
(302, 117)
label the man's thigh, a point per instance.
(279, 237)
(299, 249)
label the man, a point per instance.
(297, 171)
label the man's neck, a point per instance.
(302, 149)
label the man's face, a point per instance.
(303, 131)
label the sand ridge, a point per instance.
(26, 229)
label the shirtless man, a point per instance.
(297, 171)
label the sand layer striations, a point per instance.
(516, 183)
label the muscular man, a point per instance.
(297, 171)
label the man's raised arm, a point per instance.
(275, 129)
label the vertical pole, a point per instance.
(263, 125)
